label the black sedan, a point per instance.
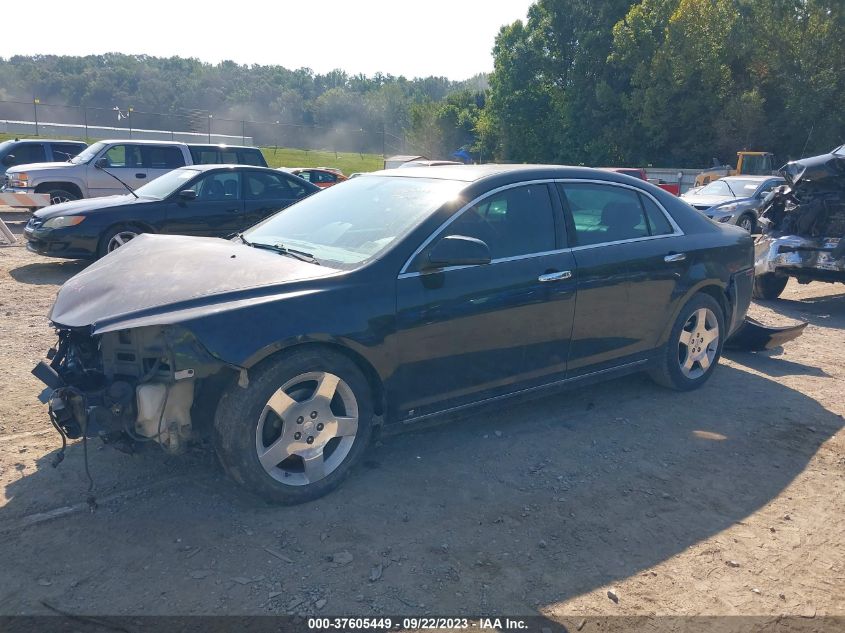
(204, 200)
(388, 299)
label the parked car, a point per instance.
(639, 172)
(735, 199)
(427, 163)
(402, 294)
(226, 155)
(206, 200)
(803, 226)
(91, 173)
(323, 177)
(26, 151)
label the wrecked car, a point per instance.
(803, 226)
(386, 300)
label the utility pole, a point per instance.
(35, 103)
(129, 119)
(210, 116)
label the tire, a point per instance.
(279, 415)
(769, 286)
(57, 196)
(689, 357)
(116, 237)
(747, 222)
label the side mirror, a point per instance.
(9, 160)
(458, 250)
(188, 194)
(102, 163)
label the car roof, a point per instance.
(210, 166)
(472, 173)
(221, 146)
(46, 140)
(139, 141)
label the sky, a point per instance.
(451, 38)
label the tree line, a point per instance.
(655, 82)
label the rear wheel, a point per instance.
(694, 346)
(294, 433)
(769, 286)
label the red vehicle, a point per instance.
(321, 176)
(637, 172)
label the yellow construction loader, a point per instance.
(747, 164)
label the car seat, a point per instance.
(624, 221)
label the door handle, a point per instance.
(675, 257)
(235, 210)
(140, 175)
(558, 276)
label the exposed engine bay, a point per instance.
(803, 222)
(137, 384)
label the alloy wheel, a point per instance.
(119, 239)
(307, 428)
(698, 343)
(746, 223)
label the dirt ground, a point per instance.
(728, 500)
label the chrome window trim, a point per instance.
(676, 230)
(500, 260)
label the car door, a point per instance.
(630, 258)
(469, 332)
(216, 211)
(126, 161)
(266, 192)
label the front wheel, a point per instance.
(694, 346)
(294, 433)
(115, 238)
(769, 286)
(57, 196)
(746, 222)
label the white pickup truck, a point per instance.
(87, 175)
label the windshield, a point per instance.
(356, 220)
(87, 154)
(716, 188)
(743, 188)
(840, 151)
(164, 185)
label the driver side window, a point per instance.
(513, 222)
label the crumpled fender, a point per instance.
(753, 336)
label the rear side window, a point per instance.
(64, 151)
(267, 186)
(205, 156)
(251, 157)
(28, 153)
(605, 213)
(323, 176)
(164, 157)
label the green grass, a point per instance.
(347, 162)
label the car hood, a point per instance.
(39, 167)
(86, 205)
(816, 169)
(166, 279)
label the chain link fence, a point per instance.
(197, 126)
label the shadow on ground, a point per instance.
(48, 272)
(505, 510)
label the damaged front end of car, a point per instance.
(803, 226)
(127, 385)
